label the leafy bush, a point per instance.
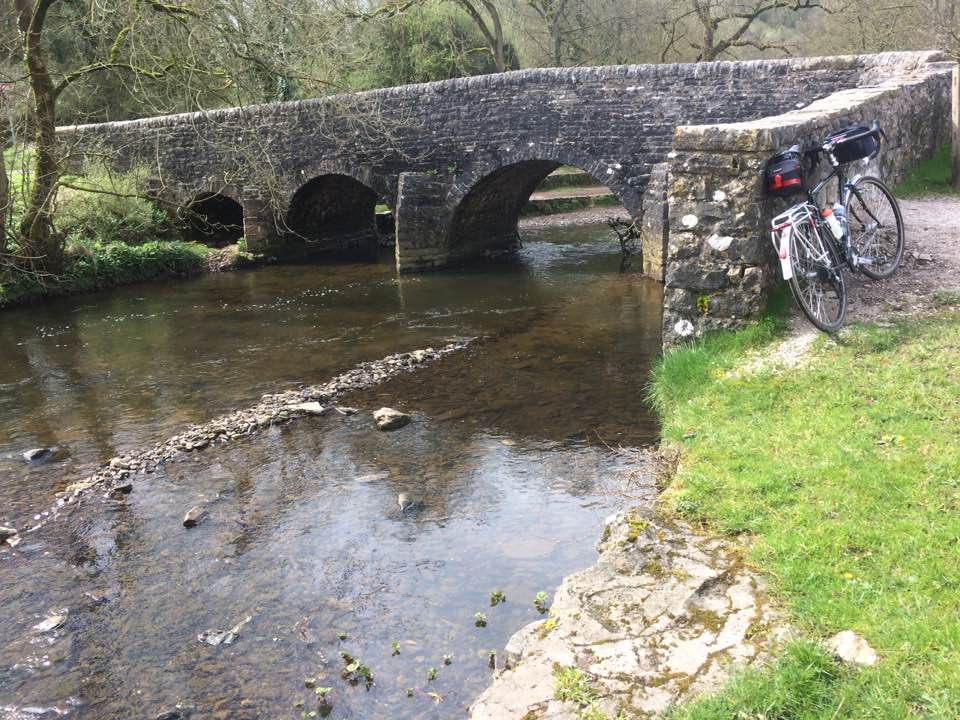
(109, 209)
(97, 266)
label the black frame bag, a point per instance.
(856, 142)
(783, 175)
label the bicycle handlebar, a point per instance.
(813, 152)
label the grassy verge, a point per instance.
(98, 267)
(929, 177)
(844, 478)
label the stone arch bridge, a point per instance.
(679, 145)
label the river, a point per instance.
(520, 446)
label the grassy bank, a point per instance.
(843, 479)
(98, 267)
(931, 177)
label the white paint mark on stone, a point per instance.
(672, 154)
(719, 242)
(609, 171)
(683, 328)
(618, 166)
(719, 196)
(689, 221)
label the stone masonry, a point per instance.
(720, 259)
(456, 160)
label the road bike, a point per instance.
(862, 231)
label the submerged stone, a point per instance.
(223, 637)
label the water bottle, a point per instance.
(831, 222)
(840, 215)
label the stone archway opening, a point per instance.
(335, 214)
(488, 218)
(214, 219)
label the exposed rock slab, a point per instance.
(37, 454)
(390, 419)
(194, 516)
(663, 615)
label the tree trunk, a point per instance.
(4, 193)
(955, 116)
(499, 54)
(36, 232)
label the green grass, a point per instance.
(684, 373)
(566, 176)
(931, 177)
(844, 477)
(98, 267)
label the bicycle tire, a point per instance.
(817, 280)
(876, 227)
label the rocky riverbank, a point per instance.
(117, 476)
(663, 615)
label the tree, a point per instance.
(554, 14)
(714, 28)
(37, 240)
(486, 16)
(431, 42)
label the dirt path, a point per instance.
(931, 263)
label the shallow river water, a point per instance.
(520, 446)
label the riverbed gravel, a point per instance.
(116, 477)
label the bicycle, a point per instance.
(862, 231)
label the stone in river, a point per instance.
(390, 419)
(9, 535)
(307, 408)
(50, 623)
(121, 488)
(37, 454)
(194, 516)
(223, 637)
(177, 713)
(372, 477)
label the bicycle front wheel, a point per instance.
(876, 228)
(817, 283)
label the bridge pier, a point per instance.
(259, 224)
(654, 230)
(421, 222)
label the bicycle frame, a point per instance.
(845, 187)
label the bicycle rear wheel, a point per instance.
(817, 283)
(876, 228)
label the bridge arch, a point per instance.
(486, 200)
(213, 218)
(333, 212)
